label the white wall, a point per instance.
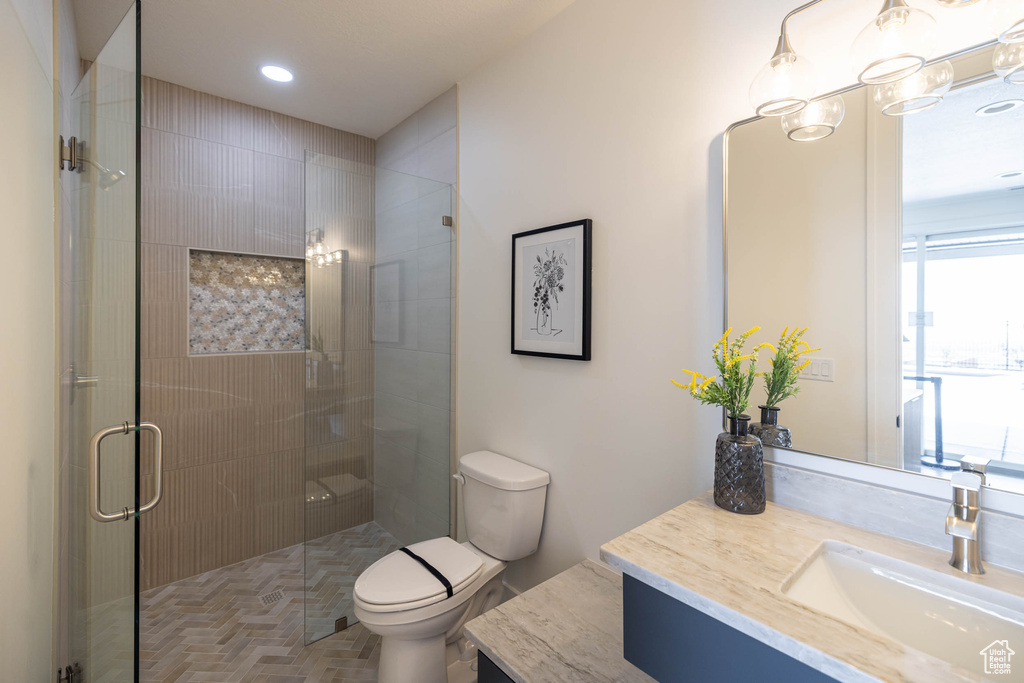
(27, 340)
(613, 111)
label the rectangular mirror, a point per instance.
(899, 242)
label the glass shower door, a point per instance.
(105, 433)
(379, 301)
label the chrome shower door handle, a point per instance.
(158, 467)
(94, 472)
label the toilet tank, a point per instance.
(503, 500)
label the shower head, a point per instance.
(106, 178)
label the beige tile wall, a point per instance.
(339, 200)
(226, 176)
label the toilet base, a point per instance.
(405, 661)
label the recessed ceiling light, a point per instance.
(1010, 174)
(277, 73)
(999, 107)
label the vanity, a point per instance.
(567, 629)
(714, 596)
(894, 239)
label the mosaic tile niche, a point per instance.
(245, 304)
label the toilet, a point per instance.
(419, 617)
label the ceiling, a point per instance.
(950, 151)
(360, 65)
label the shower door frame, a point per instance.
(101, 569)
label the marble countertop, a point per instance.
(566, 630)
(732, 567)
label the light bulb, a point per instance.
(1008, 62)
(817, 120)
(785, 84)
(893, 19)
(319, 247)
(897, 43)
(1006, 19)
(328, 257)
(319, 261)
(337, 255)
(915, 93)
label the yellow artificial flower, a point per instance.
(739, 359)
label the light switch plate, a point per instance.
(820, 370)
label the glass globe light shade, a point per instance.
(1008, 62)
(817, 120)
(915, 93)
(894, 45)
(783, 86)
(1006, 19)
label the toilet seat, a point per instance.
(397, 582)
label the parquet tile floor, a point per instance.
(214, 627)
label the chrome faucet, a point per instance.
(962, 519)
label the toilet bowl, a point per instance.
(419, 602)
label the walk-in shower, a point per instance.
(276, 296)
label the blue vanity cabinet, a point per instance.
(488, 671)
(673, 642)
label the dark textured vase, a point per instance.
(739, 469)
(769, 431)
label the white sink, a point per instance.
(943, 616)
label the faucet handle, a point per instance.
(974, 464)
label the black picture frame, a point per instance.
(547, 309)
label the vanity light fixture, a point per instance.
(277, 73)
(1008, 62)
(891, 53)
(816, 121)
(787, 82)
(896, 44)
(1006, 19)
(915, 93)
(997, 108)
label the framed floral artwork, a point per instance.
(551, 291)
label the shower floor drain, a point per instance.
(270, 598)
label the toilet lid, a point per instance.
(398, 579)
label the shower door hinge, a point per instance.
(69, 153)
(70, 674)
(447, 221)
